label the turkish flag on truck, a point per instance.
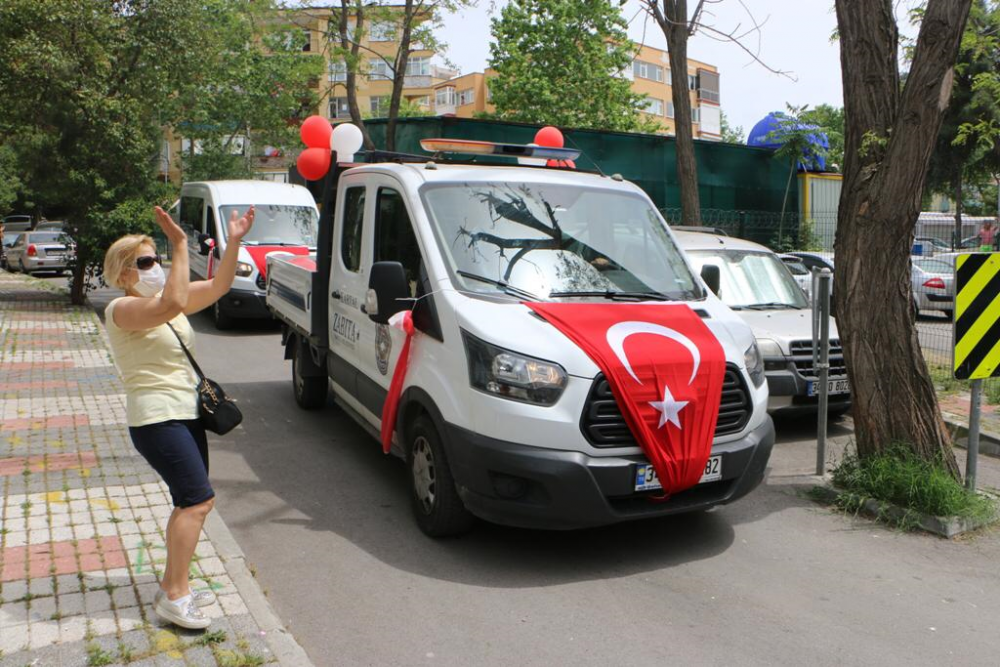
(665, 368)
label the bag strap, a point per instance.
(194, 364)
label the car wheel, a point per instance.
(437, 507)
(310, 392)
(221, 320)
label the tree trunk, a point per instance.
(399, 74)
(890, 135)
(353, 42)
(784, 202)
(77, 287)
(958, 211)
(674, 23)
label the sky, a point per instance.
(794, 38)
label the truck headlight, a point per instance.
(755, 364)
(243, 269)
(508, 374)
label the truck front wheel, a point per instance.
(437, 507)
(310, 391)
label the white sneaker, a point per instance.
(201, 598)
(183, 612)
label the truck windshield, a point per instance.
(276, 224)
(752, 279)
(556, 240)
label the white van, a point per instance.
(757, 284)
(286, 221)
(502, 417)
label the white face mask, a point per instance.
(151, 281)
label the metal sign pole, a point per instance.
(823, 284)
(972, 456)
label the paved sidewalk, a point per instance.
(82, 515)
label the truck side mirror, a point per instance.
(204, 247)
(710, 274)
(388, 289)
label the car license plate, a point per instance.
(842, 386)
(646, 479)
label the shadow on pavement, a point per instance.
(329, 475)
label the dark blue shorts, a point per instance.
(178, 450)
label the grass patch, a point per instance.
(97, 657)
(899, 477)
(991, 390)
(944, 380)
(227, 658)
(214, 637)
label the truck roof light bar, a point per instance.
(469, 147)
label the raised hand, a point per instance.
(239, 226)
(173, 232)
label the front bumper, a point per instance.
(244, 304)
(530, 487)
(788, 393)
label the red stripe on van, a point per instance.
(259, 254)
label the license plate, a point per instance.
(842, 386)
(646, 479)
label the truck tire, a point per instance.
(310, 392)
(221, 320)
(437, 507)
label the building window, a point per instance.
(695, 114)
(378, 70)
(467, 96)
(306, 40)
(421, 101)
(644, 70)
(339, 108)
(382, 31)
(338, 70)
(379, 105)
(489, 94)
(670, 109)
(445, 97)
(692, 82)
(653, 106)
(418, 66)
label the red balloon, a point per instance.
(561, 164)
(313, 163)
(316, 131)
(549, 136)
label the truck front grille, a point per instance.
(802, 357)
(604, 426)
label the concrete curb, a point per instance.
(947, 527)
(283, 645)
(989, 443)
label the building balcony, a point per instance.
(706, 95)
(418, 81)
(445, 109)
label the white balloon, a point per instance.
(346, 139)
(532, 161)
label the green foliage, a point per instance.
(407, 109)
(10, 181)
(215, 162)
(797, 147)
(556, 63)
(98, 657)
(731, 134)
(88, 87)
(830, 120)
(967, 151)
(900, 477)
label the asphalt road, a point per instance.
(323, 517)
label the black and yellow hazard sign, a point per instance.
(977, 316)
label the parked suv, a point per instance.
(758, 285)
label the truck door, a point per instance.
(192, 221)
(348, 284)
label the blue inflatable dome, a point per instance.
(767, 134)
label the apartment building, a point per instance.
(467, 95)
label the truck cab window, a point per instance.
(395, 240)
(351, 236)
(191, 208)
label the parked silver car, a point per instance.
(9, 239)
(933, 282)
(34, 252)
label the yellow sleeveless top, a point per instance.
(160, 384)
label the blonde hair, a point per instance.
(121, 256)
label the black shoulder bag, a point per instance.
(217, 411)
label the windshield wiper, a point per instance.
(770, 305)
(502, 284)
(616, 294)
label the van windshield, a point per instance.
(752, 279)
(276, 224)
(545, 240)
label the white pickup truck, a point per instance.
(502, 417)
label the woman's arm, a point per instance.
(204, 293)
(136, 313)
